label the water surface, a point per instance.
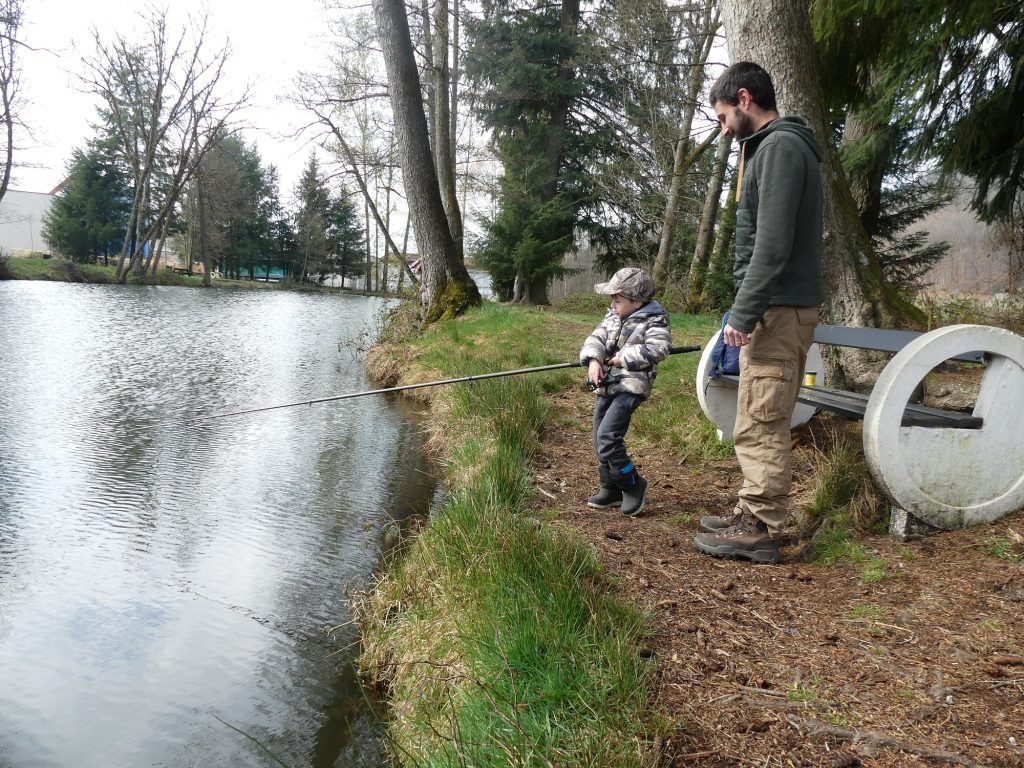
(164, 582)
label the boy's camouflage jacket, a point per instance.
(641, 340)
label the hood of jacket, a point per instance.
(794, 124)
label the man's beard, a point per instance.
(744, 125)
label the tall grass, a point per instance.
(496, 634)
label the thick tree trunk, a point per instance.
(447, 287)
(873, 141)
(682, 160)
(708, 217)
(777, 35)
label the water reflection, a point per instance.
(158, 576)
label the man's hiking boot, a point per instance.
(748, 539)
(634, 490)
(609, 495)
(716, 523)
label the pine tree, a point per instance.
(88, 218)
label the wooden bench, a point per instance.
(946, 468)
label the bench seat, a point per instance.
(853, 404)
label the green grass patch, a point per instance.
(1005, 548)
(834, 545)
(496, 634)
(874, 612)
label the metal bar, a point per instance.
(882, 339)
(438, 383)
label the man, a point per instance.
(777, 275)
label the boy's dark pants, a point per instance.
(612, 414)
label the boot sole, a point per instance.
(726, 550)
(635, 512)
(592, 505)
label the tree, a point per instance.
(701, 40)
(240, 205)
(10, 79)
(961, 71)
(524, 58)
(777, 35)
(447, 287)
(344, 104)
(314, 204)
(88, 217)
(161, 101)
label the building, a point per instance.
(21, 222)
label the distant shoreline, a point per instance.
(61, 270)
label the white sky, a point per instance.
(271, 43)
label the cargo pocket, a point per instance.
(767, 389)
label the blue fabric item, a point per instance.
(626, 469)
(725, 360)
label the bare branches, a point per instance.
(162, 102)
(10, 77)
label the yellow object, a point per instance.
(810, 378)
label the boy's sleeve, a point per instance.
(594, 346)
(654, 347)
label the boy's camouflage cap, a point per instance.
(633, 283)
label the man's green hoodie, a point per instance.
(778, 222)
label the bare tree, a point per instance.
(161, 101)
(447, 287)
(706, 228)
(10, 77)
(701, 41)
(444, 137)
(777, 35)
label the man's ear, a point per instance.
(743, 98)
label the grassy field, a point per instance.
(494, 633)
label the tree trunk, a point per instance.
(204, 254)
(777, 35)
(873, 139)
(447, 287)
(720, 269)
(706, 229)
(681, 163)
(443, 138)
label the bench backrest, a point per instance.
(883, 339)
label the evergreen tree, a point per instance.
(330, 238)
(346, 237)
(959, 72)
(88, 218)
(526, 60)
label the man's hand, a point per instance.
(595, 373)
(615, 362)
(735, 338)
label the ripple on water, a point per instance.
(156, 573)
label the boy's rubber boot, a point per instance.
(609, 494)
(634, 490)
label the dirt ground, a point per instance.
(799, 664)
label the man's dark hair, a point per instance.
(744, 74)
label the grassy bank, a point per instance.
(495, 633)
(61, 270)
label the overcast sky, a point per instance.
(271, 43)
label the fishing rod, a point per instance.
(441, 382)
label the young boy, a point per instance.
(622, 355)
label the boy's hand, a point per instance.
(595, 373)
